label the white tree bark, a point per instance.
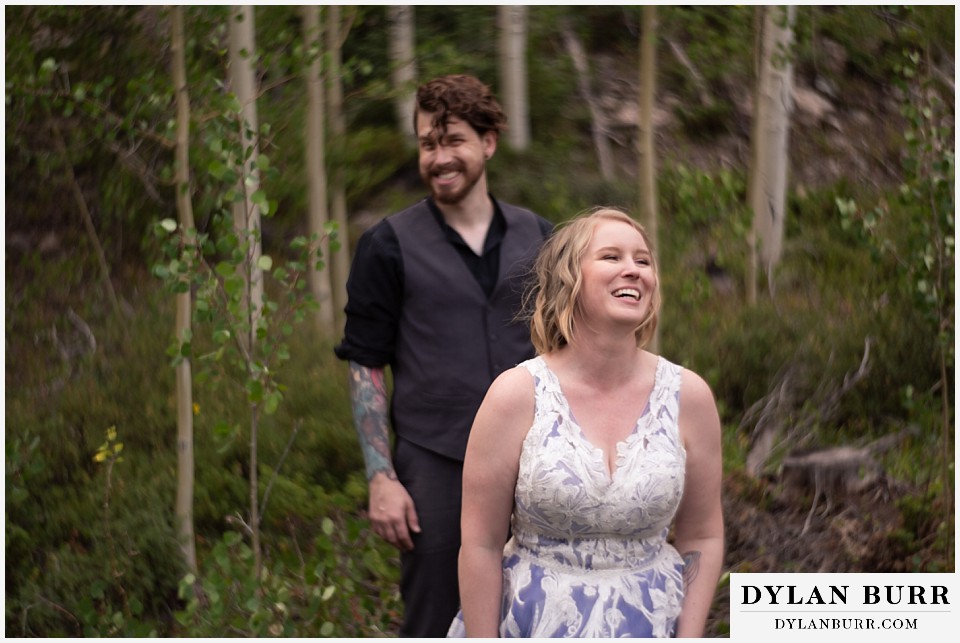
(315, 142)
(649, 215)
(246, 213)
(772, 109)
(403, 66)
(512, 21)
(340, 260)
(184, 379)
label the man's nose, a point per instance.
(442, 154)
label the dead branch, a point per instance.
(784, 419)
(84, 330)
(698, 82)
(86, 216)
(598, 121)
(136, 165)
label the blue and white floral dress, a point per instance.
(588, 555)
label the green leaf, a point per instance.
(272, 403)
(265, 263)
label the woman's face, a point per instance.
(619, 279)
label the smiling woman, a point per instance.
(560, 275)
(582, 455)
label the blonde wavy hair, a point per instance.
(558, 279)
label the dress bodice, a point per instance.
(564, 487)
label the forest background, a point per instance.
(835, 382)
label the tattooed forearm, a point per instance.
(691, 567)
(368, 395)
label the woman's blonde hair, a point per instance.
(558, 279)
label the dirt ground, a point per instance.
(774, 526)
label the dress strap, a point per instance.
(665, 396)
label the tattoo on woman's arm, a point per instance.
(691, 567)
(368, 395)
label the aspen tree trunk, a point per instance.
(512, 22)
(318, 215)
(184, 386)
(247, 222)
(403, 66)
(752, 260)
(771, 128)
(340, 260)
(246, 213)
(649, 215)
(598, 123)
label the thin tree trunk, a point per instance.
(316, 171)
(184, 386)
(247, 222)
(649, 215)
(403, 66)
(512, 21)
(753, 262)
(774, 103)
(340, 260)
(246, 213)
(598, 123)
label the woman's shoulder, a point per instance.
(699, 418)
(694, 387)
(515, 384)
(508, 408)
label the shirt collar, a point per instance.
(495, 234)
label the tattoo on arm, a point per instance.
(368, 396)
(691, 567)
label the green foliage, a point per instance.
(90, 548)
(317, 585)
(915, 234)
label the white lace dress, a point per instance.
(588, 555)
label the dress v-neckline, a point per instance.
(620, 444)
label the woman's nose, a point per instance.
(630, 268)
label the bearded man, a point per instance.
(434, 293)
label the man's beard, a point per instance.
(456, 195)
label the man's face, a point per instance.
(452, 164)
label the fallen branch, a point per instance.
(784, 419)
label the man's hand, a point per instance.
(392, 513)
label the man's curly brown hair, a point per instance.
(463, 97)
